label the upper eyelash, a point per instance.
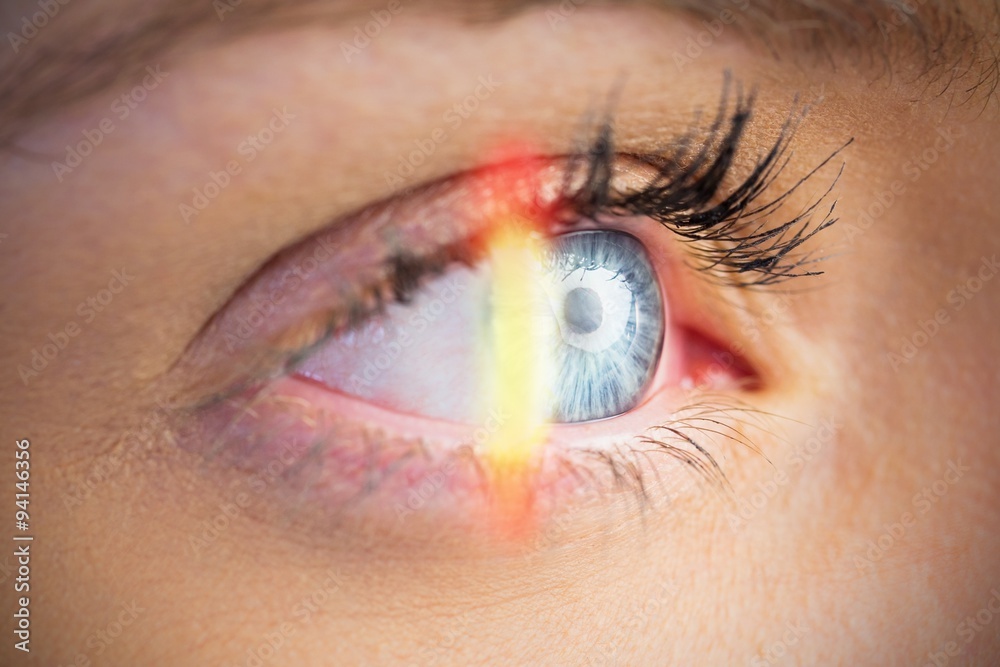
(732, 235)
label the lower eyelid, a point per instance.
(344, 454)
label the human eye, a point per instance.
(513, 339)
(511, 346)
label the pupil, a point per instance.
(583, 311)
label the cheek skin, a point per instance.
(937, 351)
(910, 420)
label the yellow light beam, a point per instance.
(521, 333)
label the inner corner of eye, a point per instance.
(543, 329)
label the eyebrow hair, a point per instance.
(935, 41)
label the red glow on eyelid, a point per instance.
(519, 366)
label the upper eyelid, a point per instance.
(435, 205)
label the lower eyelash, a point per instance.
(387, 469)
(710, 423)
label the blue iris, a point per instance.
(606, 299)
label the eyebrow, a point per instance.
(934, 40)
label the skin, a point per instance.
(599, 584)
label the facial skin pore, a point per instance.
(864, 531)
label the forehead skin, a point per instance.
(918, 207)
